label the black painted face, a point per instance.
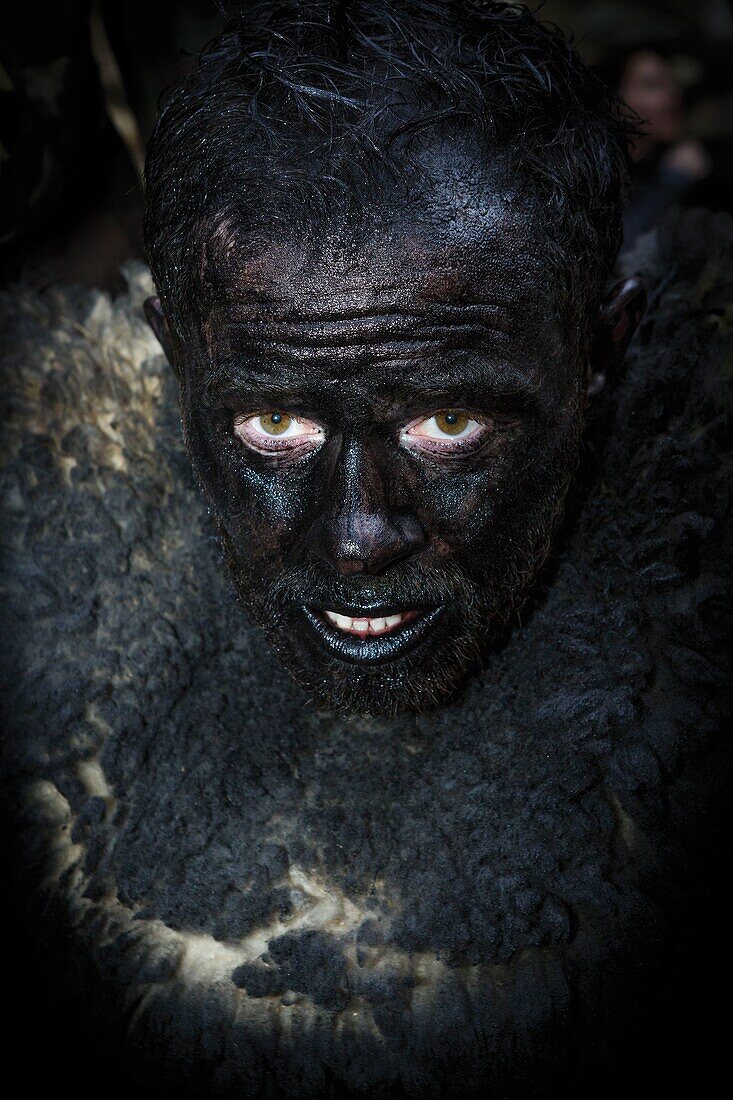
(385, 423)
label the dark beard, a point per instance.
(418, 680)
(476, 615)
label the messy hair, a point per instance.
(298, 109)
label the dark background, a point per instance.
(79, 87)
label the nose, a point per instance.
(356, 532)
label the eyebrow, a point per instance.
(504, 380)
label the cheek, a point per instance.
(457, 510)
(269, 512)
(473, 513)
(263, 511)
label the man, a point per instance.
(381, 235)
(384, 349)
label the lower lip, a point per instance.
(374, 648)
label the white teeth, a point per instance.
(365, 626)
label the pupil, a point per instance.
(451, 418)
(276, 418)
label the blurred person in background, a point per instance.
(666, 165)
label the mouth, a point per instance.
(371, 635)
(363, 626)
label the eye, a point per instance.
(274, 431)
(447, 430)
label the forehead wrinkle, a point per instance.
(379, 287)
(384, 333)
(263, 363)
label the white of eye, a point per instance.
(289, 426)
(442, 427)
(268, 430)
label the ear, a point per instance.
(618, 317)
(159, 325)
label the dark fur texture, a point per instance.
(264, 899)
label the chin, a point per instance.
(411, 683)
(367, 676)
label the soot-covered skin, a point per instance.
(380, 234)
(362, 339)
(251, 896)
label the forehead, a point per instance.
(455, 231)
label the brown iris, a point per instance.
(451, 422)
(275, 423)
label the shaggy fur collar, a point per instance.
(256, 896)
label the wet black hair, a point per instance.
(296, 109)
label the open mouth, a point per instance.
(371, 635)
(364, 626)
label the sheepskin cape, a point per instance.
(234, 892)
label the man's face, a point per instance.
(385, 421)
